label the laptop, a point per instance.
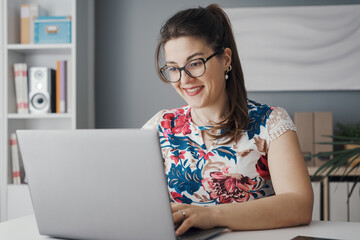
(99, 184)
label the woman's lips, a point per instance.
(194, 90)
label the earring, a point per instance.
(227, 71)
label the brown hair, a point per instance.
(212, 25)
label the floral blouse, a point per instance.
(224, 173)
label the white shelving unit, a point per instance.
(14, 199)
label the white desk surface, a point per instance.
(26, 228)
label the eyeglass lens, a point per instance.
(194, 68)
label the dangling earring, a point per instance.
(227, 71)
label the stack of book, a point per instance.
(59, 95)
(18, 173)
(21, 87)
(61, 75)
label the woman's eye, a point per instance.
(195, 64)
(171, 69)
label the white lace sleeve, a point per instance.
(279, 122)
(154, 122)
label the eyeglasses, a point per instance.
(194, 68)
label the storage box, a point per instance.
(323, 127)
(49, 29)
(304, 122)
(312, 128)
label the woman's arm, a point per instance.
(292, 205)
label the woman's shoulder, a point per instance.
(165, 114)
(274, 119)
(264, 111)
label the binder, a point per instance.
(25, 24)
(15, 159)
(61, 77)
(28, 14)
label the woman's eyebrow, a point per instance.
(188, 58)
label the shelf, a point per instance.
(15, 199)
(40, 116)
(18, 185)
(40, 48)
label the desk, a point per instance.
(26, 228)
(325, 184)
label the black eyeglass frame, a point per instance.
(204, 60)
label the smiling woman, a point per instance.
(221, 147)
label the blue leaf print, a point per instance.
(258, 115)
(184, 179)
(227, 152)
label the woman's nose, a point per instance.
(185, 78)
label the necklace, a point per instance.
(202, 122)
(208, 122)
(208, 140)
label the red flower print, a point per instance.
(228, 188)
(176, 196)
(179, 111)
(262, 167)
(206, 156)
(181, 125)
(180, 198)
(167, 122)
(166, 133)
(169, 116)
(176, 156)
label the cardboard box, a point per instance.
(323, 127)
(52, 30)
(304, 122)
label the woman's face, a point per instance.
(207, 90)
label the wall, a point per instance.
(127, 89)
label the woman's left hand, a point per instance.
(186, 216)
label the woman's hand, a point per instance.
(186, 216)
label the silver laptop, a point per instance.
(98, 184)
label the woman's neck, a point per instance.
(208, 116)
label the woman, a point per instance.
(221, 150)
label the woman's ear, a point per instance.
(227, 56)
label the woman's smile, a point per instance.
(193, 90)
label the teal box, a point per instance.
(49, 29)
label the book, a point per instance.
(34, 14)
(16, 176)
(28, 14)
(61, 78)
(21, 87)
(25, 24)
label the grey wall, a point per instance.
(127, 89)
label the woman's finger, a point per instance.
(185, 225)
(179, 216)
